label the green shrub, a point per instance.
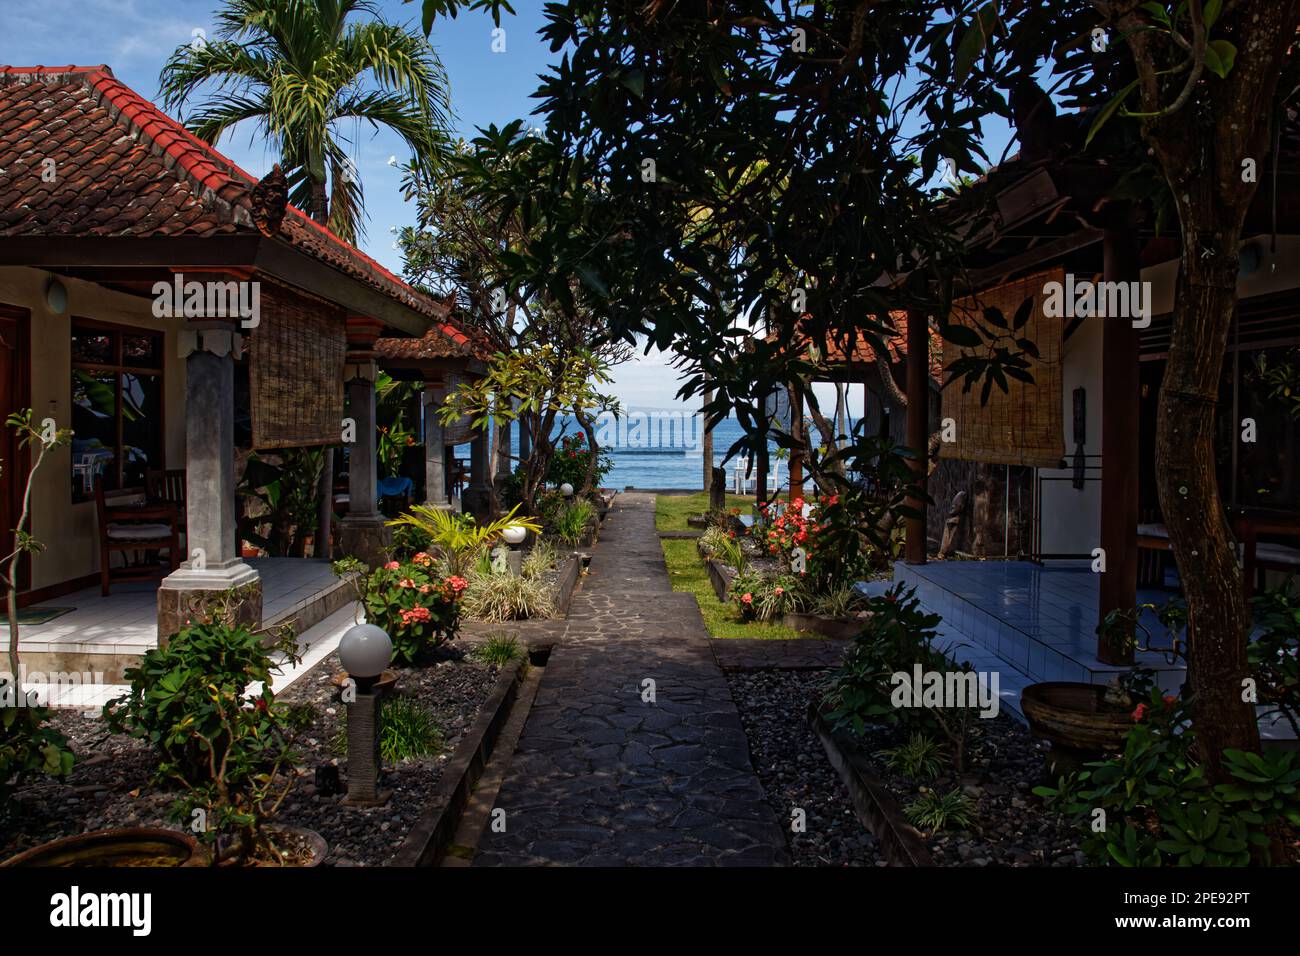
(179, 697)
(457, 538)
(410, 540)
(571, 523)
(542, 558)
(1274, 653)
(571, 460)
(765, 598)
(840, 602)
(411, 601)
(29, 746)
(895, 638)
(1153, 806)
(499, 649)
(933, 811)
(505, 597)
(921, 758)
(407, 731)
(711, 541)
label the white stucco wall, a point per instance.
(69, 530)
(1071, 518)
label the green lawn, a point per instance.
(686, 572)
(671, 510)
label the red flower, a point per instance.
(1139, 712)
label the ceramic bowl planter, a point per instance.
(128, 847)
(1078, 721)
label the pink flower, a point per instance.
(406, 583)
(1139, 712)
(417, 613)
(391, 566)
(457, 583)
(779, 591)
(747, 599)
(422, 559)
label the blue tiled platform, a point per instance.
(1039, 619)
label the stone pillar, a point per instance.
(477, 499)
(435, 452)
(213, 566)
(362, 532)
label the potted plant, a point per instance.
(1082, 721)
(131, 846)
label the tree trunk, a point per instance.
(1201, 148)
(593, 447)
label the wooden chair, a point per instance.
(460, 473)
(131, 529)
(167, 487)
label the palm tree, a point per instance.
(299, 70)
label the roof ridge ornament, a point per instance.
(270, 198)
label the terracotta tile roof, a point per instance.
(896, 345)
(441, 341)
(123, 167)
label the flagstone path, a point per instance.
(633, 753)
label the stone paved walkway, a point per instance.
(602, 777)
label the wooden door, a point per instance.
(15, 395)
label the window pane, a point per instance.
(141, 426)
(94, 421)
(93, 346)
(142, 351)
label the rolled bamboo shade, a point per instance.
(296, 361)
(461, 430)
(1022, 426)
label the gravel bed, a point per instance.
(110, 787)
(1004, 764)
(1012, 827)
(794, 770)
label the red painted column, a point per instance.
(1119, 447)
(918, 427)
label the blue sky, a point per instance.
(135, 38)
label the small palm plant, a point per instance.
(460, 539)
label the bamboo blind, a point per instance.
(460, 431)
(296, 361)
(1022, 426)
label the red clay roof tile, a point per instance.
(112, 151)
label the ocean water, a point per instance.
(663, 452)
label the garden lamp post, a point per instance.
(513, 537)
(566, 489)
(364, 651)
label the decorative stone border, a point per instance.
(872, 802)
(720, 576)
(839, 628)
(570, 572)
(433, 832)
